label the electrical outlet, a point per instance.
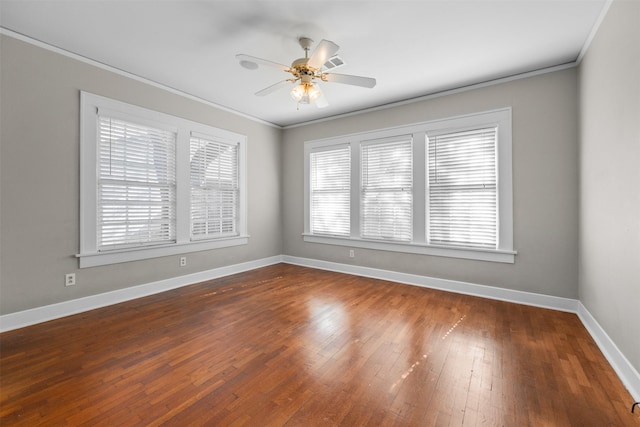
(183, 261)
(352, 253)
(70, 279)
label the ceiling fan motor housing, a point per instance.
(300, 63)
(301, 70)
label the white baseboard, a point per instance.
(625, 370)
(627, 373)
(36, 315)
(502, 294)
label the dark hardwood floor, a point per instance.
(287, 345)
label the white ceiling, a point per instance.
(412, 48)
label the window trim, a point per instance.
(504, 253)
(89, 255)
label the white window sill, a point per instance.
(504, 256)
(136, 254)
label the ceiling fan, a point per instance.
(306, 73)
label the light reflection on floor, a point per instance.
(332, 334)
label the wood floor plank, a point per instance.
(292, 346)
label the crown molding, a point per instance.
(594, 30)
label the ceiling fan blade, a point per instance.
(273, 88)
(325, 50)
(322, 102)
(347, 79)
(251, 62)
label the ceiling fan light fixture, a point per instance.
(305, 93)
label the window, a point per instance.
(155, 185)
(214, 188)
(436, 188)
(136, 184)
(387, 194)
(463, 199)
(330, 191)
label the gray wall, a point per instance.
(545, 182)
(39, 179)
(610, 175)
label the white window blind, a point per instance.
(136, 184)
(462, 183)
(214, 188)
(330, 191)
(387, 193)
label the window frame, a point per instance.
(90, 255)
(501, 118)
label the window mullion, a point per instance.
(182, 187)
(419, 187)
(356, 185)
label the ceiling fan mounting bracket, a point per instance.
(305, 43)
